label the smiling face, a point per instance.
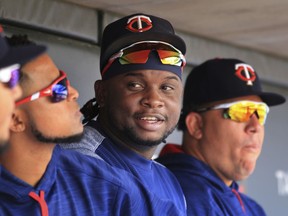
(140, 108)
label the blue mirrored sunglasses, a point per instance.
(10, 75)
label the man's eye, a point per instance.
(135, 85)
(167, 88)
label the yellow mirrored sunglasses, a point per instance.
(241, 111)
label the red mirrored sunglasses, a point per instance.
(57, 90)
(138, 53)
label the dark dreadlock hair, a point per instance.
(90, 110)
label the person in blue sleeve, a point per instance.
(138, 103)
(223, 117)
(38, 177)
(11, 60)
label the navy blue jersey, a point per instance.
(205, 192)
(159, 182)
(73, 184)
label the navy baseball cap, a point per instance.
(17, 55)
(132, 29)
(220, 79)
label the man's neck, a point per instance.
(27, 159)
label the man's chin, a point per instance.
(146, 139)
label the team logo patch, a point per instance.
(246, 73)
(139, 23)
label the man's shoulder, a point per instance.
(79, 165)
(91, 140)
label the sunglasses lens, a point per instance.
(170, 57)
(60, 91)
(262, 114)
(137, 57)
(141, 57)
(15, 75)
(139, 54)
(241, 112)
(10, 75)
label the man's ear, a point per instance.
(17, 122)
(194, 124)
(100, 92)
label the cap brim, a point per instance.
(21, 54)
(272, 99)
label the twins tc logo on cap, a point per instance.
(139, 23)
(245, 72)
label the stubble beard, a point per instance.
(57, 140)
(132, 135)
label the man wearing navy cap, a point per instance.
(223, 117)
(11, 60)
(40, 178)
(138, 103)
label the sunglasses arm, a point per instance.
(43, 93)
